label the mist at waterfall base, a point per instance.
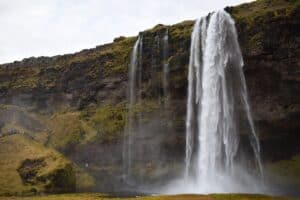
(222, 151)
(146, 131)
(217, 108)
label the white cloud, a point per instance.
(50, 27)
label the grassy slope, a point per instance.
(13, 150)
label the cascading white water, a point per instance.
(134, 96)
(135, 133)
(216, 103)
(194, 60)
(166, 66)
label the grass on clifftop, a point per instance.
(114, 57)
(264, 10)
(262, 7)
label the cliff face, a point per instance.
(76, 103)
(269, 38)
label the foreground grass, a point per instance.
(175, 197)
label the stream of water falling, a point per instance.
(166, 68)
(217, 110)
(134, 96)
(134, 131)
(216, 93)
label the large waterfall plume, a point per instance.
(217, 107)
(222, 147)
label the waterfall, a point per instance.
(217, 105)
(194, 60)
(135, 133)
(166, 67)
(134, 97)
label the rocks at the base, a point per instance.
(30, 168)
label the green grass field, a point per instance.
(96, 196)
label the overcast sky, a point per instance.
(51, 27)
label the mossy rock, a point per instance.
(109, 120)
(61, 180)
(27, 167)
(68, 129)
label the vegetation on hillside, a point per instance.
(27, 168)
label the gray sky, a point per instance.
(51, 27)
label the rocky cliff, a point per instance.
(76, 103)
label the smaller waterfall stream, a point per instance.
(138, 131)
(134, 96)
(166, 67)
(190, 119)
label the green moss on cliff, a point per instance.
(27, 167)
(120, 60)
(66, 130)
(146, 106)
(181, 31)
(112, 58)
(119, 53)
(69, 129)
(264, 25)
(109, 121)
(26, 78)
(271, 8)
